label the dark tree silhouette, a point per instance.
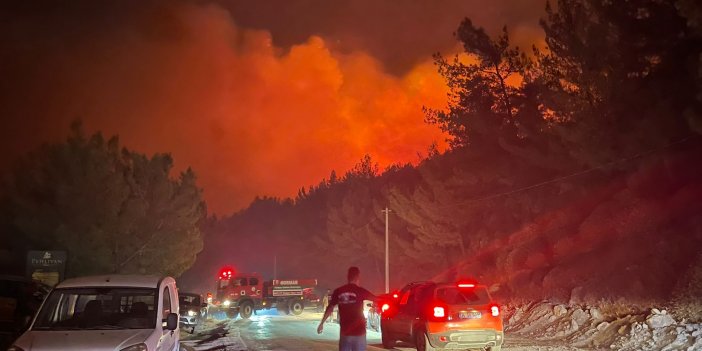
(112, 209)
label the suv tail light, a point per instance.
(439, 312)
(494, 310)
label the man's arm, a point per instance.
(370, 296)
(327, 313)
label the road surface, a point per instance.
(269, 331)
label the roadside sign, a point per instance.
(47, 267)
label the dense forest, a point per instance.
(113, 210)
(573, 172)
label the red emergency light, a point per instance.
(226, 273)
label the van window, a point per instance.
(253, 281)
(166, 308)
(98, 308)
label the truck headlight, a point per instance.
(192, 313)
(226, 303)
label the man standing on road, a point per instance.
(325, 300)
(350, 299)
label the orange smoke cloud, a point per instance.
(250, 118)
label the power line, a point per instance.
(354, 230)
(553, 180)
(568, 176)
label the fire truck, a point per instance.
(245, 293)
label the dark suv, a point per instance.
(192, 310)
(444, 316)
(20, 299)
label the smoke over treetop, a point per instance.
(401, 34)
(250, 117)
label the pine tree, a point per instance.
(481, 100)
(113, 210)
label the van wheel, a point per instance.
(246, 310)
(388, 341)
(422, 342)
(296, 308)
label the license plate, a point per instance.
(469, 315)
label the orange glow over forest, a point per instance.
(249, 116)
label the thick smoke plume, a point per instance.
(250, 116)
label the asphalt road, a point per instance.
(269, 331)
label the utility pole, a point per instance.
(387, 251)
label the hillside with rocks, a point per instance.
(609, 326)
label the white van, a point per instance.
(111, 312)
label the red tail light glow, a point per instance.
(495, 311)
(439, 312)
(385, 307)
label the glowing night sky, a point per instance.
(259, 97)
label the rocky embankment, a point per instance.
(608, 326)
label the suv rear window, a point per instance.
(456, 296)
(189, 300)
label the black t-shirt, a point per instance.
(350, 300)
